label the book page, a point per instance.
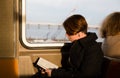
(45, 64)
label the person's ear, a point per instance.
(79, 34)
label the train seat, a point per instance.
(111, 68)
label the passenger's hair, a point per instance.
(74, 24)
(110, 25)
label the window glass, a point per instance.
(43, 18)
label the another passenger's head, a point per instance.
(110, 25)
(74, 25)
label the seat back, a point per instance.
(113, 70)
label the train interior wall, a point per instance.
(15, 60)
(8, 62)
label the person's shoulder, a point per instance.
(115, 38)
(66, 47)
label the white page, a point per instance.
(45, 64)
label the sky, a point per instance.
(56, 11)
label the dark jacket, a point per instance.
(80, 59)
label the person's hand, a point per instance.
(43, 71)
(48, 71)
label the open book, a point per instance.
(45, 64)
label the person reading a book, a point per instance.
(83, 57)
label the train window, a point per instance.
(42, 19)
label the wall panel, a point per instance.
(7, 29)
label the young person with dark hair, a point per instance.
(83, 57)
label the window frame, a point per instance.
(22, 36)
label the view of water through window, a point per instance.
(44, 17)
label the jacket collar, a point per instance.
(88, 40)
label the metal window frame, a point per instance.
(22, 36)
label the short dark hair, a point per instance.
(74, 24)
(110, 25)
